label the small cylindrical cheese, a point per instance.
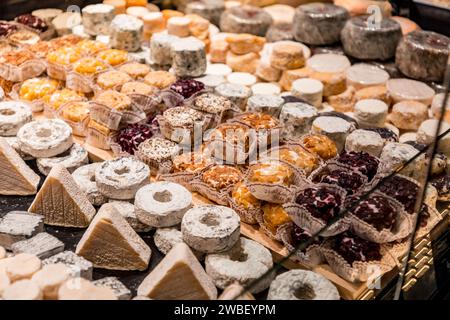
(218, 51)
(218, 69)
(297, 118)
(308, 89)
(97, 18)
(178, 26)
(366, 141)
(119, 5)
(126, 32)
(137, 11)
(23, 290)
(242, 78)
(363, 75)
(335, 128)
(427, 133)
(23, 266)
(238, 94)
(153, 22)
(161, 48)
(188, 57)
(265, 103)
(287, 55)
(266, 88)
(371, 113)
(408, 115)
(50, 278)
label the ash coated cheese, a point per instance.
(210, 228)
(237, 94)
(310, 90)
(17, 226)
(423, 55)
(241, 78)
(408, 114)
(364, 141)
(178, 26)
(337, 129)
(42, 245)
(78, 266)
(160, 48)
(366, 42)
(279, 32)
(61, 202)
(427, 133)
(85, 179)
(126, 32)
(120, 178)
(371, 113)
(245, 19)
(72, 159)
(45, 138)
(407, 89)
(363, 75)
(110, 243)
(13, 115)
(319, 23)
(188, 57)
(162, 204)
(17, 177)
(126, 209)
(266, 88)
(167, 238)
(328, 62)
(113, 283)
(265, 103)
(50, 278)
(297, 118)
(97, 18)
(179, 276)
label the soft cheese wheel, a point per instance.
(289, 76)
(423, 55)
(364, 141)
(297, 118)
(287, 55)
(407, 89)
(363, 7)
(85, 179)
(436, 107)
(363, 41)
(160, 48)
(153, 22)
(23, 290)
(65, 21)
(137, 11)
(13, 115)
(363, 75)
(243, 62)
(371, 113)
(375, 92)
(218, 69)
(47, 14)
(45, 138)
(162, 204)
(209, 9)
(245, 19)
(337, 129)
(241, 78)
(74, 158)
(344, 101)
(266, 88)
(22, 266)
(237, 94)
(319, 23)
(120, 6)
(279, 32)
(328, 62)
(280, 13)
(50, 278)
(333, 83)
(408, 114)
(97, 18)
(178, 26)
(310, 90)
(188, 57)
(427, 132)
(126, 32)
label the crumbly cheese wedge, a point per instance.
(179, 276)
(61, 201)
(111, 243)
(17, 177)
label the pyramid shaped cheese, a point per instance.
(111, 243)
(16, 177)
(61, 202)
(179, 276)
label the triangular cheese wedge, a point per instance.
(111, 243)
(179, 276)
(61, 202)
(16, 177)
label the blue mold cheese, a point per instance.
(126, 32)
(97, 18)
(297, 118)
(188, 57)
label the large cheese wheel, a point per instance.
(245, 19)
(363, 75)
(406, 89)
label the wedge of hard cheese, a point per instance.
(111, 243)
(179, 276)
(16, 177)
(61, 202)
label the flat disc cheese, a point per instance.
(266, 88)
(74, 158)
(371, 113)
(23, 290)
(218, 69)
(362, 75)
(328, 62)
(241, 78)
(13, 115)
(406, 89)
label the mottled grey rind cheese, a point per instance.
(238, 94)
(72, 159)
(363, 41)
(279, 32)
(246, 262)
(65, 21)
(423, 55)
(319, 23)
(364, 140)
(160, 48)
(208, 9)
(297, 118)
(245, 19)
(162, 204)
(16, 226)
(121, 178)
(166, 238)
(85, 179)
(13, 115)
(265, 103)
(395, 154)
(126, 32)
(188, 57)
(43, 245)
(310, 285)
(119, 289)
(97, 18)
(210, 228)
(79, 266)
(337, 129)
(126, 209)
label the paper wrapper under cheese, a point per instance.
(37, 105)
(150, 104)
(403, 225)
(57, 71)
(305, 220)
(27, 70)
(263, 227)
(246, 215)
(359, 271)
(97, 139)
(78, 128)
(310, 257)
(112, 118)
(184, 178)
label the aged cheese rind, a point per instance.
(61, 202)
(160, 48)
(265, 103)
(79, 267)
(395, 154)
(43, 245)
(97, 18)
(210, 9)
(188, 57)
(113, 283)
(238, 94)
(337, 129)
(74, 158)
(17, 177)
(16, 226)
(245, 19)
(13, 115)
(366, 141)
(297, 118)
(179, 276)
(126, 32)
(166, 238)
(111, 243)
